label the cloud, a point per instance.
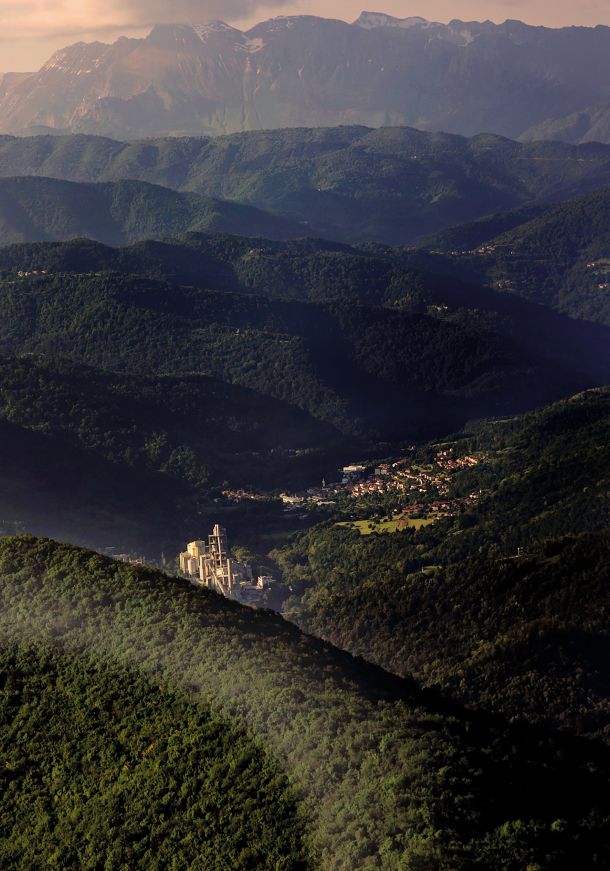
(190, 10)
(146, 12)
(31, 29)
(42, 19)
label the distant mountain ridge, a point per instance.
(194, 79)
(8, 81)
(34, 209)
(350, 184)
(588, 125)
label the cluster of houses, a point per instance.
(481, 251)
(446, 460)
(241, 494)
(602, 268)
(22, 273)
(400, 476)
(442, 507)
(403, 477)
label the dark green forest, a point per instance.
(102, 765)
(136, 463)
(557, 258)
(386, 776)
(352, 366)
(136, 383)
(324, 272)
(352, 184)
(46, 209)
(168, 424)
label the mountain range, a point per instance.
(351, 184)
(191, 79)
(377, 358)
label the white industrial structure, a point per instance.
(209, 564)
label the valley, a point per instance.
(541, 511)
(190, 370)
(304, 441)
(142, 438)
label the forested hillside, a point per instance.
(46, 209)
(559, 258)
(135, 463)
(233, 715)
(392, 185)
(324, 272)
(361, 369)
(505, 605)
(250, 363)
(98, 760)
(194, 428)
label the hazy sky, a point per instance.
(30, 30)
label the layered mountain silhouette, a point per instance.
(47, 209)
(350, 184)
(588, 125)
(463, 77)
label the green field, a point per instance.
(366, 527)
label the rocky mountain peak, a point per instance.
(307, 71)
(370, 20)
(194, 37)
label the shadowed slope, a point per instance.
(389, 776)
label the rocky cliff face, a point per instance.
(9, 81)
(463, 77)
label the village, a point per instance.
(422, 488)
(601, 272)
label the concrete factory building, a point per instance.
(209, 564)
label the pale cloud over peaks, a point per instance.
(30, 30)
(44, 18)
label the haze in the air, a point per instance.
(30, 30)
